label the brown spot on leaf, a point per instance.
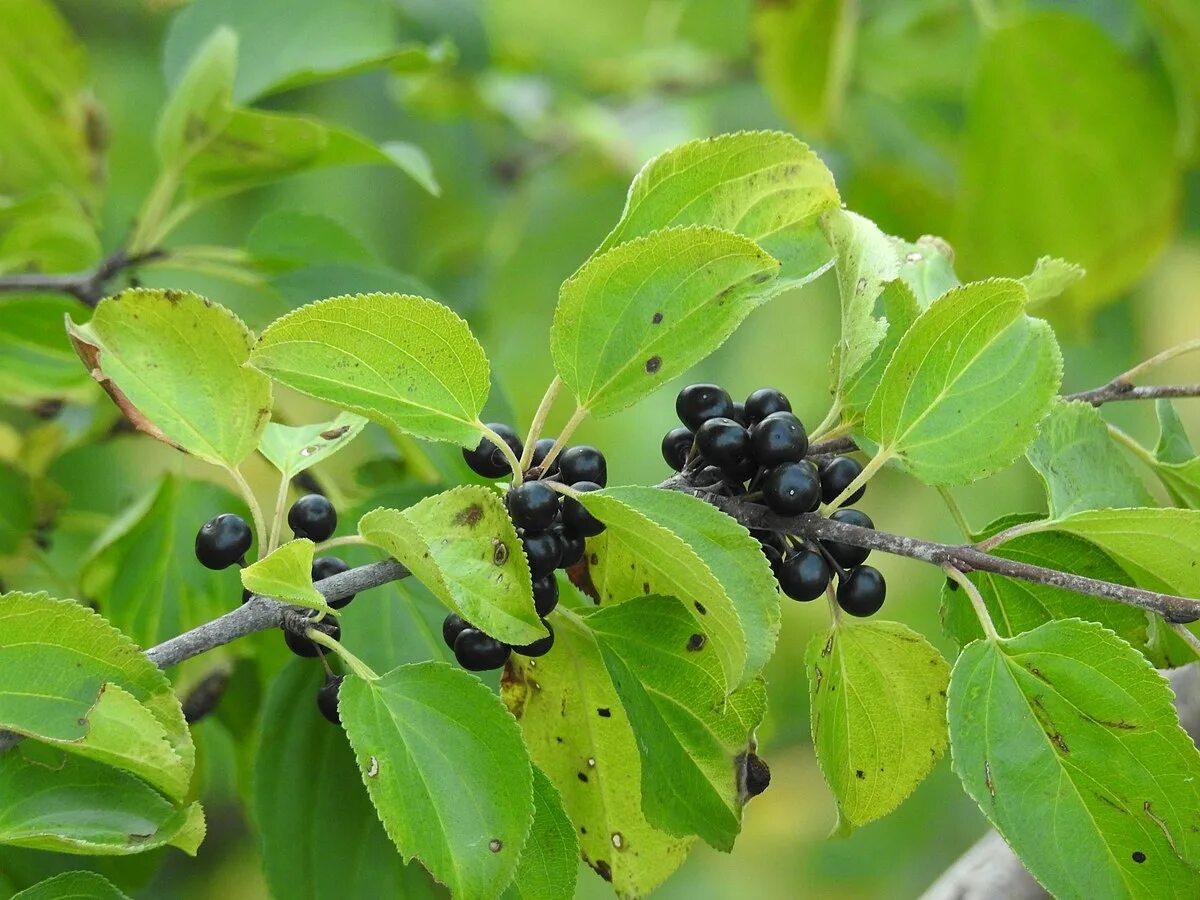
(603, 869)
(695, 642)
(604, 712)
(658, 317)
(470, 516)
(653, 364)
(859, 773)
(499, 553)
(332, 434)
(700, 607)
(582, 777)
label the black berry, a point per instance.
(572, 546)
(478, 652)
(792, 488)
(836, 476)
(487, 459)
(313, 517)
(805, 575)
(697, 403)
(543, 550)
(583, 463)
(326, 567)
(847, 555)
(774, 557)
(540, 451)
(222, 541)
(862, 591)
(545, 595)
(764, 402)
(540, 647)
(533, 505)
(576, 517)
(452, 626)
(302, 646)
(723, 443)
(739, 413)
(327, 698)
(779, 438)
(676, 445)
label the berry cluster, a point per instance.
(552, 531)
(759, 448)
(225, 540)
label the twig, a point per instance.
(89, 286)
(1123, 390)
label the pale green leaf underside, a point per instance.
(72, 886)
(286, 574)
(446, 769)
(900, 309)
(927, 267)
(400, 360)
(175, 364)
(878, 714)
(461, 545)
(645, 311)
(293, 448)
(550, 858)
(1068, 741)
(1050, 277)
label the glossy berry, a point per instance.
(486, 459)
(792, 488)
(849, 556)
(836, 476)
(676, 446)
(325, 567)
(572, 546)
(583, 463)
(697, 403)
(861, 592)
(575, 516)
(477, 652)
(779, 438)
(723, 443)
(764, 402)
(313, 517)
(222, 541)
(543, 550)
(743, 470)
(540, 647)
(533, 505)
(739, 413)
(758, 775)
(545, 595)
(540, 451)
(327, 698)
(774, 557)
(805, 575)
(302, 646)
(452, 626)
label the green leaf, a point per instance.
(927, 267)
(308, 794)
(1083, 157)
(68, 677)
(578, 733)
(462, 545)
(1051, 277)
(878, 707)
(49, 230)
(1067, 739)
(693, 741)
(1175, 461)
(72, 886)
(36, 362)
(199, 105)
(967, 385)
(1080, 464)
(445, 767)
(16, 511)
(764, 185)
(900, 310)
(638, 555)
(550, 859)
(1176, 26)
(645, 311)
(291, 238)
(404, 361)
(51, 800)
(292, 449)
(286, 574)
(175, 365)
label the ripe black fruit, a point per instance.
(739, 413)
(774, 557)
(861, 592)
(327, 698)
(779, 438)
(313, 517)
(572, 546)
(545, 597)
(805, 575)
(792, 488)
(325, 567)
(487, 459)
(697, 403)
(836, 476)
(576, 517)
(849, 556)
(543, 550)
(222, 541)
(723, 443)
(452, 626)
(676, 445)
(764, 402)
(540, 451)
(533, 505)
(478, 652)
(302, 646)
(583, 463)
(540, 647)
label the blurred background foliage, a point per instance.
(1012, 128)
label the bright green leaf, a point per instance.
(550, 859)
(72, 886)
(1050, 277)
(36, 362)
(900, 310)
(286, 574)
(927, 267)
(1175, 460)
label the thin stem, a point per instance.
(280, 504)
(873, 465)
(539, 421)
(1122, 391)
(154, 209)
(827, 423)
(357, 666)
(1008, 534)
(1129, 375)
(509, 456)
(1132, 445)
(981, 611)
(89, 286)
(956, 512)
(835, 611)
(252, 502)
(577, 417)
(348, 540)
(1188, 637)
